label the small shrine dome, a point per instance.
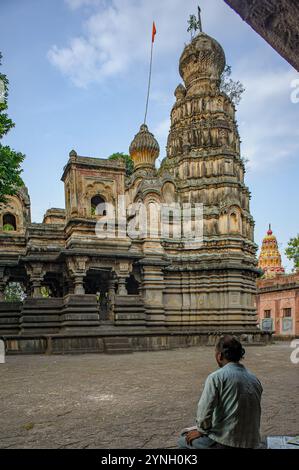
(144, 149)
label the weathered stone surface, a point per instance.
(91, 339)
(139, 400)
(276, 21)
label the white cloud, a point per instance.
(117, 35)
(68, 59)
(262, 86)
(268, 122)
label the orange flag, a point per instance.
(154, 32)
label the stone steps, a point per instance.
(129, 310)
(40, 315)
(117, 345)
(10, 314)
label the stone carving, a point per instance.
(180, 92)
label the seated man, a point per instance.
(229, 409)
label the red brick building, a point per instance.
(278, 304)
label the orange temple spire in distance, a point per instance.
(270, 259)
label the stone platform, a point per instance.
(106, 339)
(73, 324)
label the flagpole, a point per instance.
(149, 82)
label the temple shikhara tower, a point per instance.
(156, 290)
(270, 259)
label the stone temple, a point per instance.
(150, 292)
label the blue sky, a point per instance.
(78, 76)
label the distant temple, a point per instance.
(270, 259)
(278, 293)
(157, 290)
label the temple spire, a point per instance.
(270, 259)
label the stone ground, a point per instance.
(138, 400)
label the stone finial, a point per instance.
(73, 154)
(270, 230)
(144, 149)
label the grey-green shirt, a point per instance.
(229, 409)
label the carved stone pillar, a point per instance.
(123, 271)
(36, 274)
(78, 282)
(36, 282)
(77, 267)
(122, 290)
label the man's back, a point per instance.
(229, 410)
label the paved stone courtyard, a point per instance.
(137, 400)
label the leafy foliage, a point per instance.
(10, 171)
(126, 158)
(14, 292)
(233, 89)
(292, 251)
(8, 228)
(194, 25)
(10, 160)
(45, 292)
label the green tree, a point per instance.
(233, 89)
(126, 158)
(292, 251)
(10, 160)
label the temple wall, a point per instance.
(210, 300)
(275, 295)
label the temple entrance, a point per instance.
(97, 282)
